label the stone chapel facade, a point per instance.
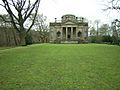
(70, 28)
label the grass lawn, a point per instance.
(60, 67)
(2, 48)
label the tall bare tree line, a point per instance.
(19, 12)
(39, 33)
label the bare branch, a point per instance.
(37, 6)
(27, 9)
(23, 5)
(2, 5)
(14, 5)
(7, 7)
(31, 9)
(1, 16)
(113, 5)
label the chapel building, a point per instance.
(69, 28)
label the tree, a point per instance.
(8, 31)
(93, 32)
(4, 27)
(41, 26)
(20, 11)
(113, 5)
(116, 28)
(97, 26)
(104, 30)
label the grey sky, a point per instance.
(90, 9)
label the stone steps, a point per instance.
(69, 42)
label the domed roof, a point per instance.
(68, 15)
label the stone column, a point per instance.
(76, 34)
(61, 33)
(66, 32)
(71, 33)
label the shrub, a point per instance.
(28, 39)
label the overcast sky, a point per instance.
(90, 9)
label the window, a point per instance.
(58, 34)
(74, 30)
(79, 34)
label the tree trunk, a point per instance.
(22, 36)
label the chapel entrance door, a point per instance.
(69, 33)
(69, 37)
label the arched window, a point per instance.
(79, 34)
(58, 34)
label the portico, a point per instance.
(68, 33)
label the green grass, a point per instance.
(2, 48)
(60, 67)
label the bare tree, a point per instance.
(4, 27)
(93, 31)
(116, 31)
(97, 26)
(41, 26)
(104, 30)
(113, 5)
(20, 11)
(9, 31)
